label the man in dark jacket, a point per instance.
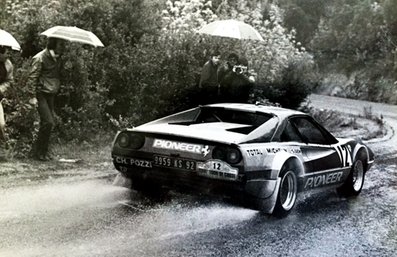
(208, 84)
(45, 76)
(6, 78)
(236, 81)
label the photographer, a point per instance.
(236, 81)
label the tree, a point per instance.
(303, 16)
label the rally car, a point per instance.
(259, 154)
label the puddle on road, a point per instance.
(82, 218)
(35, 200)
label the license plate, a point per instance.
(175, 163)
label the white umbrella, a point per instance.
(232, 29)
(6, 39)
(73, 34)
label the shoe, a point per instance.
(48, 157)
(3, 158)
(41, 158)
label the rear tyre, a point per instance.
(355, 181)
(287, 193)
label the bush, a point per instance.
(150, 65)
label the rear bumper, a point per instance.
(182, 180)
(248, 189)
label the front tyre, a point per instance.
(355, 180)
(287, 193)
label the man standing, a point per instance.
(208, 84)
(45, 76)
(236, 80)
(6, 78)
(226, 76)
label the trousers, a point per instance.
(2, 125)
(45, 107)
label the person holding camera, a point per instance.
(235, 80)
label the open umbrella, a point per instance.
(232, 29)
(6, 39)
(73, 34)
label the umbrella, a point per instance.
(6, 39)
(73, 34)
(231, 28)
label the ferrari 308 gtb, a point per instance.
(263, 155)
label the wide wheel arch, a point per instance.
(287, 161)
(348, 188)
(361, 151)
(288, 175)
(297, 166)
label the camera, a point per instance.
(239, 69)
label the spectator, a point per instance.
(208, 84)
(231, 61)
(45, 76)
(236, 81)
(6, 78)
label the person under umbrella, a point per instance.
(236, 80)
(224, 73)
(208, 84)
(6, 78)
(45, 77)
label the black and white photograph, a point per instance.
(178, 128)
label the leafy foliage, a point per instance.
(151, 62)
(356, 39)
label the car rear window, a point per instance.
(247, 121)
(232, 116)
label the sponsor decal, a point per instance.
(180, 146)
(275, 150)
(217, 169)
(295, 150)
(287, 150)
(323, 179)
(254, 152)
(345, 156)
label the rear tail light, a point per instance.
(227, 154)
(233, 156)
(130, 140)
(123, 140)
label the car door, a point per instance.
(318, 146)
(326, 161)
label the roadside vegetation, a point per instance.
(365, 126)
(152, 59)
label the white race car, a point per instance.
(262, 155)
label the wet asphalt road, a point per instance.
(86, 215)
